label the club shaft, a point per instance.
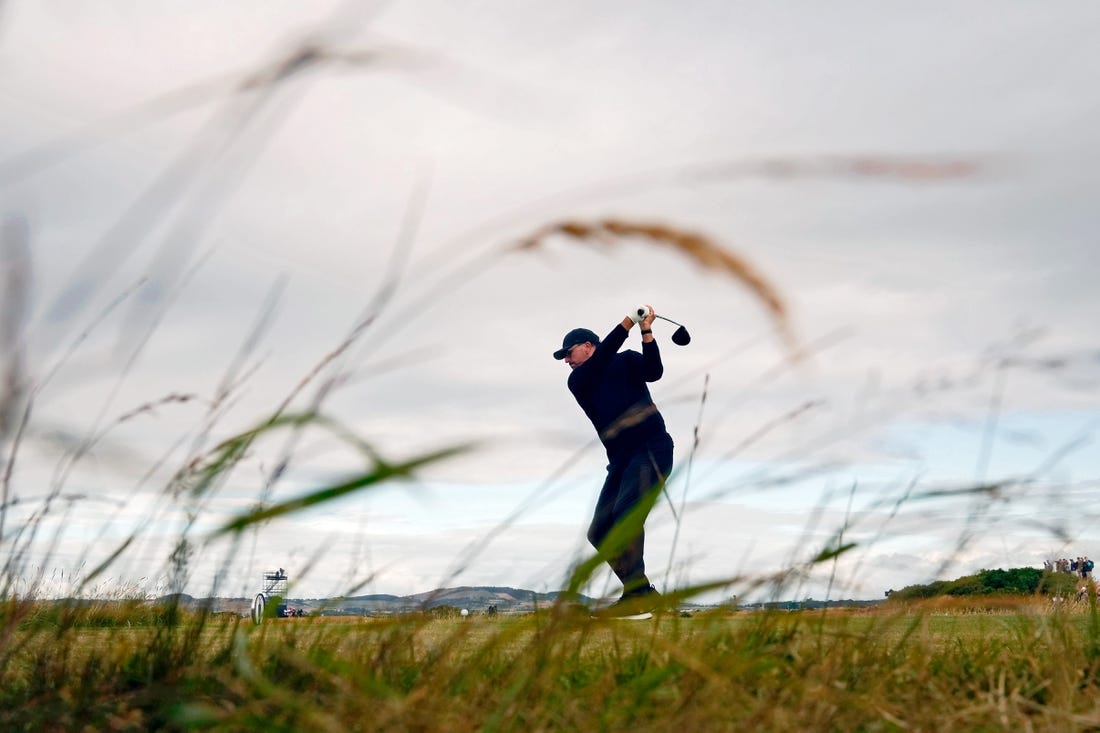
(670, 321)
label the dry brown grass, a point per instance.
(700, 249)
(978, 604)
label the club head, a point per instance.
(681, 337)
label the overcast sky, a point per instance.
(203, 204)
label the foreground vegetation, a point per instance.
(927, 667)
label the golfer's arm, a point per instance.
(652, 366)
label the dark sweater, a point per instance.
(611, 389)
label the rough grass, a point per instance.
(894, 668)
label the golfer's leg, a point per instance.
(603, 518)
(643, 478)
(631, 510)
(629, 565)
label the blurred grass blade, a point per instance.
(620, 537)
(15, 276)
(991, 490)
(380, 473)
(704, 251)
(230, 451)
(829, 553)
(102, 567)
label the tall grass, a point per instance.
(882, 670)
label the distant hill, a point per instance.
(476, 599)
(473, 598)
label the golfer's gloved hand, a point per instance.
(639, 313)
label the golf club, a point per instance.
(680, 336)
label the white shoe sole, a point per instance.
(631, 617)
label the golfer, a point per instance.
(610, 386)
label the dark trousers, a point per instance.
(629, 492)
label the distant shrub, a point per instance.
(444, 612)
(1015, 581)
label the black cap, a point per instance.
(574, 337)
